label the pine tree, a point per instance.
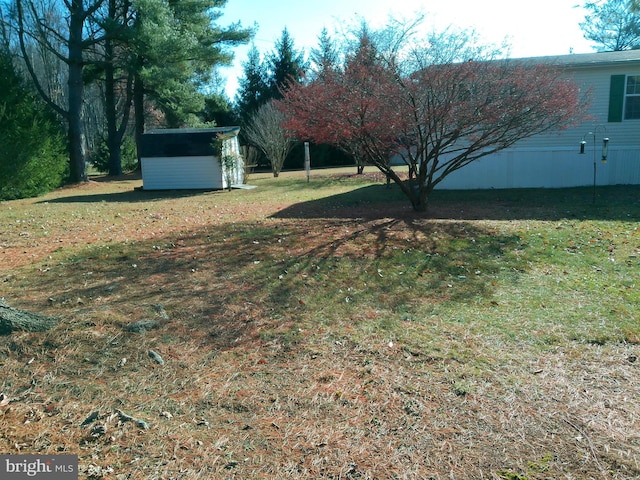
(613, 25)
(178, 46)
(285, 64)
(325, 58)
(253, 91)
(33, 157)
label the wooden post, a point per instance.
(307, 160)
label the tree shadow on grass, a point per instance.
(238, 281)
(131, 196)
(379, 201)
(243, 285)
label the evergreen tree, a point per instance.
(253, 90)
(613, 24)
(285, 64)
(178, 46)
(33, 157)
(325, 58)
(218, 110)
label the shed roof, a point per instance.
(223, 130)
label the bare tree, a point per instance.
(266, 131)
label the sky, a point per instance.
(530, 27)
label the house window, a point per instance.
(632, 98)
(624, 98)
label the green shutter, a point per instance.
(616, 98)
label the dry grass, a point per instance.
(322, 331)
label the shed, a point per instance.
(187, 158)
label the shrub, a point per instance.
(33, 157)
(99, 158)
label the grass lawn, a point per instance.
(323, 329)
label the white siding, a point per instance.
(547, 168)
(623, 168)
(177, 173)
(595, 82)
(552, 159)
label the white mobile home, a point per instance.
(186, 158)
(553, 159)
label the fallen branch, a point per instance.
(12, 319)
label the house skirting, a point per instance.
(543, 168)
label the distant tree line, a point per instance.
(264, 80)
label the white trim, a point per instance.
(626, 96)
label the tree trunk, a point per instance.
(78, 171)
(113, 140)
(422, 198)
(12, 319)
(138, 109)
(419, 206)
